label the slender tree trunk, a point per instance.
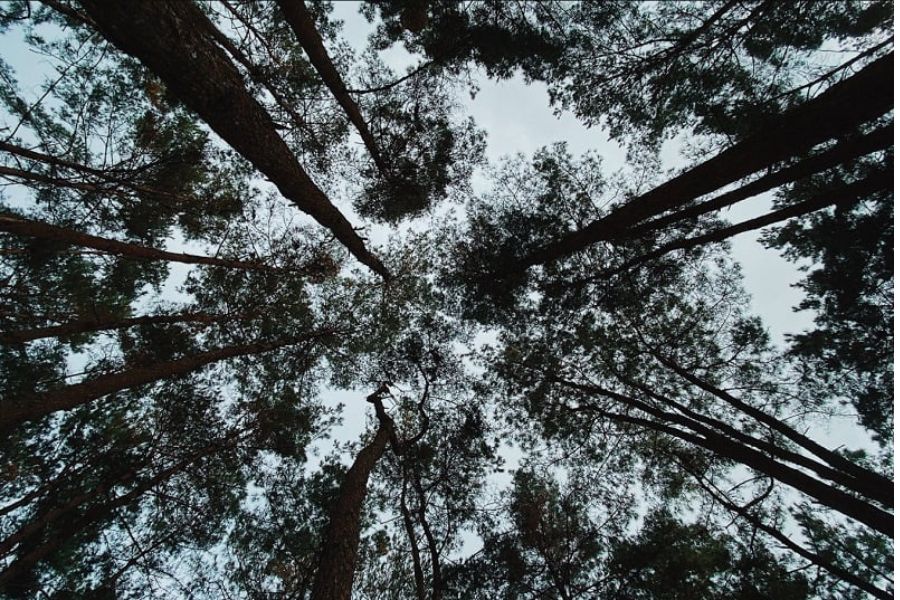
(334, 577)
(841, 153)
(882, 494)
(111, 176)
(437, 584)
(35, 406)
(304, 27)
(45, 231)
(413, 545)
(171, 38)
(873, 482)
(837, 196)
(23, 565)
(856, 509)
(92, 324)
(787, 542)
(840, 109)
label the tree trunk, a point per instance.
(839, 110)
(35, 406)
(92, 324)
(856, 509)
(879, 493)
(413, 545)
(837, 196)
(875, 486)
(841, 153)
(45, 231)
(110, 175)
(304, 27)
(23, 565)
(171, 38)
(787, 542)
(334, 577)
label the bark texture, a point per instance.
(337, 561)
(171, 38)
(865, 96)
(304, 27)
(100, 323)
(19, 410)
(27, 227)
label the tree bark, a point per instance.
(882, 494)
(36, 406)
(92, 324)
(413, 545)
(840, 109)
(846, 504)
(25, 563)
(874, 485)
(334, 577)
(841, 153)
(790, 544)
(304, 27)
(171, 37)
(45, 231)
(836, 196)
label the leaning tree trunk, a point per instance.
(334, 577)
(20, 568)
(842, 108)
(19, 410)
(837, 196)
(171, 37)
(45, 231)
(106, 323)
(304, 27)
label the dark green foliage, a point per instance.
(849, 284)
(596, 426)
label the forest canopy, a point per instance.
(274, 322)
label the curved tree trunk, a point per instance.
(334, 577)
(171, 37)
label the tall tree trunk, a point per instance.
(304, 27)
(35, 406)
(101, 323)
(841, 153)
(413, 544)
(437, 584)
(171, 37)
(24, 563)
(839, 110)
(813, 557)
(845, 503)
(334, 577)
(842, 195)
(111, 175)
(45, 231)
(870, 479)
(879, 493)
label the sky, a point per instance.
(517, 118)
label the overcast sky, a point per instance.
(517, 119)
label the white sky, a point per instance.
(518, 119)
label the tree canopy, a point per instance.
(274, 323)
